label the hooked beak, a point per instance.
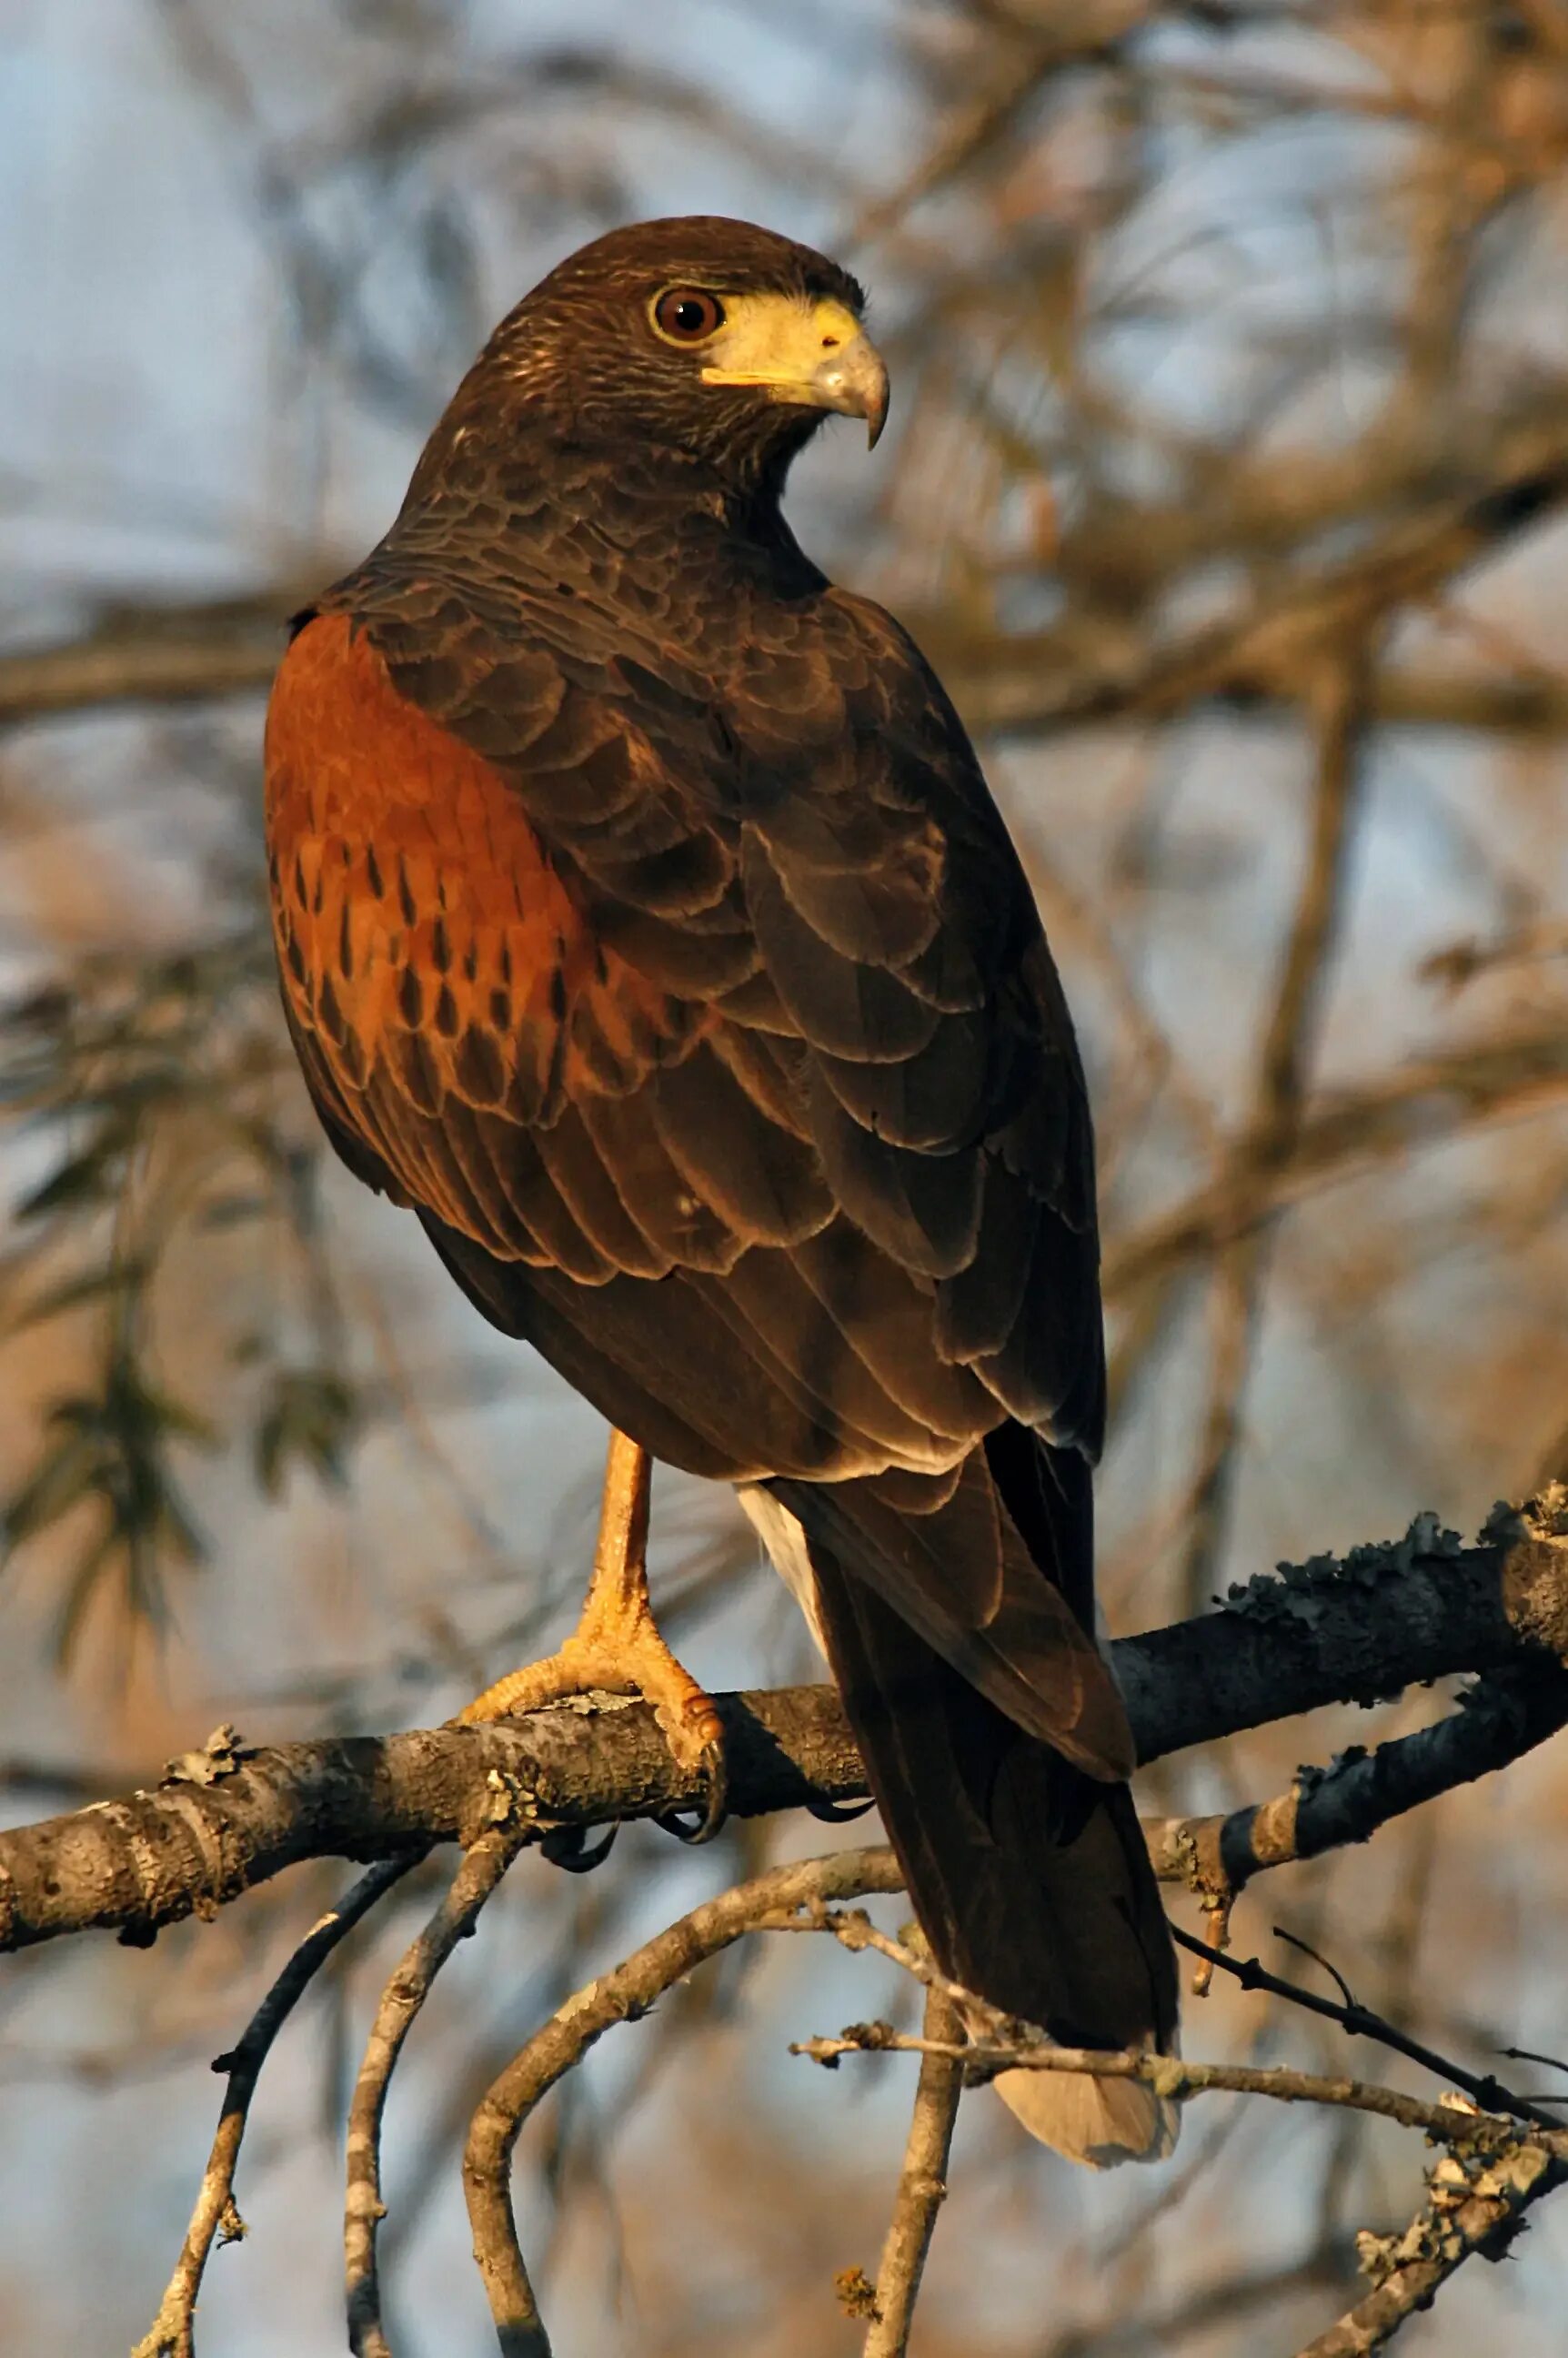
(814, 356)
(854, 382)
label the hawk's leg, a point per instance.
(616, 1644)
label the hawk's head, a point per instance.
(698, 334)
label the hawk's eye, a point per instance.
(685, 315)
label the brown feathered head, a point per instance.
(699, 335)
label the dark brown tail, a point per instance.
(1030, 1880)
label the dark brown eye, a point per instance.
(685, 315)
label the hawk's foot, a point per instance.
(617, 1648)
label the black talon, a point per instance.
(568, 1847)
(714, 1816)
(837, 1813)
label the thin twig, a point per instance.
(1360, 2022)
(173, 2329)
(854, 1931)
(982, 117)
(483, 1866)
(923, 2183)
(621, 1995)
(1452, 2121)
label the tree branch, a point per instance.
(1355, 1629)
(769, 1902)
(1346, 1131)
(483, 1866)
(1024, 685)
(189, 655)
(922, 2182)
(153, 655)
(215, 2215)
(1027, 685)
(1508, 1714)
(1448, 2122)
(1474, 2207)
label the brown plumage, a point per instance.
(644, 924)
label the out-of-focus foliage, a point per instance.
(145, 1084)
(1230, 353)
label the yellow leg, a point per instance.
(616, 1644)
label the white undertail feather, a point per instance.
(1097, 2122)
(1101, 2123)
(785, 1543)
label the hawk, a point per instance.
(645, 926)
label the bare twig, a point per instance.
(1452, 2122)
(1360, 2022)
(923, 2183)
(173, 2330)
(767, 1902)
(483, 1866)
(853, 1929)
(982, 118)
